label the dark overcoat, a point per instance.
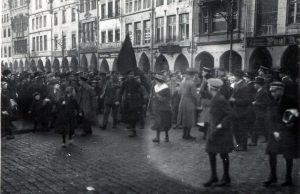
(219, 140)
(288, 144)
(163, 111)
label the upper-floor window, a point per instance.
(137, 5)
(294, 12)
(64, 16)
(87, 5)
(110, 9)
(137, 33)
(73, 14)
(55, 19)
(8, 32)
(9, 51)
(37, 23)
(64, 41)
(117, 8)
(147, 32)
(94, 4)
(36, 4)
(40, 3)
(32, 24)
(45, 42)
(159, 2)
(171, 1)
(110, 36)
(4, 33)
(128, 30)
(128, 6)
(171, 30)
(184, 26)
(146, 4)
(103, 36)
(266, 17)
(45, 20)
(159, 29)
(73, 41)
(103, 8)
(81, 6)
(41, 21)
(55, 42)
(117, 35)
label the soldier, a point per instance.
(240, 101)
(132, 102)
(283, 132)
(111, 100)
(220, 139)
(260, 105)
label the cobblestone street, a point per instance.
(110, 162)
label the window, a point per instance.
(87, 31)
(171, 31)
(137, 5)
(37, 43)
(9, 51)
(64, 16)
(83, 34)
(41, 18)
(55, 19)
(92, 31)
(73, 41)
(171, 1)
(41, 43)
(20, 46)
(266, 18)
(146, 4)
(87, 5)
(117, 35)
(294, 12)
(128, 6)
(103, 36)
(37, 23)
(73, 14)
(103, 11)
(110, 36)
(8, 32)
(218, 21)
(45, 20)
(94, 4)
(204, 20)
(36, 4)
(55, 42)
(128, 30)
(159, 2)
(110, 9)
(4, 33)
(184, 26)
(45, 42)
(64, 43)
(159, 29)
(40, 3)
(117, 8)
(5, 52)
(33, 44)
(32, 24)
(81, 6)
(147, 32)
(137, 33)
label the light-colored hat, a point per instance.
(215, 83)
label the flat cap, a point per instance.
(276, 85)
(215, 83)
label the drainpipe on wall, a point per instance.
(152, 35)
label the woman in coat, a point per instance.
(283, 133)
(187, 107)
(162, 108)
(67, 111)
(219, 136)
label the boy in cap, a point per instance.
(219, 136)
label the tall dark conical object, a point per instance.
(126, 58)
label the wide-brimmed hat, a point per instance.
(259, 80)
(160, 77)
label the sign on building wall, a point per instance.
(273, 41)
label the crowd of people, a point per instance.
(227, 109)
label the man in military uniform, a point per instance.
(132, 94)
(111, 100)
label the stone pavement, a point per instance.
(110, 162)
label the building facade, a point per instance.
(273, 34)
(6, 37)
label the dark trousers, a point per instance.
(273, 167)
(70, 134)
(240, 131)
(213, 164)
(260, 125)
(107, 109)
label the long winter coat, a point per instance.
(87, 102)
(288, 144)
(219, 139)
(162, 108)
(188, 103)
(205, 101)
(67, 111)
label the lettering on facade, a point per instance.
(169, 49)
(273, 41)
